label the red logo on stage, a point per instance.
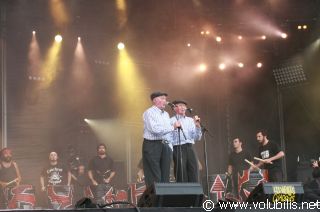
(108, 197)
(218, 187)
(21, 197)
(60, 197)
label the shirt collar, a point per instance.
(180, 116)
(158, 109)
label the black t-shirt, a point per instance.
(236, 160)
(267, 151)
(55, 175)
(101, 168)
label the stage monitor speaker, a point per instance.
(172, 195)
(277, 191)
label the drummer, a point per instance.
(9, 174)
(9, 171)
(236, 162)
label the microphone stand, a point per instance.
(204, 132)
(179, 155)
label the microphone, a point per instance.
(190, 110)
(170, 104)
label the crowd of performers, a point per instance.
(166, 139)
(73, 176)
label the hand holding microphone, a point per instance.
(197, 121)
(177, 125)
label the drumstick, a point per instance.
(12, 181)
(259, 159)
(251, 164)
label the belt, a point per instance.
(186, 144)
(161, 141)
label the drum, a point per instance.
(60, 196)
(20, 197)
(103, 194)
(248, 180)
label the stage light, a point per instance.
(222, 66)
(122, 13)
(207, 32)
(34, 56)
(299, 27)
(259, 65)
(284, 35)
(305, 27)
(239, 37)
(202, 67)
(80, 75)
(129, 83)
(33, 32)
(59, 13)
(51, 63)
(218, 39)
(202, 32)
(121, 46)
(240, 65)
(188, 44)
(58, 38)
(86, 120)
(263, 37)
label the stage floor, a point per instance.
(164, 209)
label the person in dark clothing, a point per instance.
(271, 155)
(54, 173)
(101, 169)
(80, 181)
(9, 171)
(236, 162)
(54, 176)
(312, 188)
(9, 174)
(101, 173)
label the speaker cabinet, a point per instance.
(172, 195)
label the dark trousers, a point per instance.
(185, 165)
(275, 175)
(156, 156)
